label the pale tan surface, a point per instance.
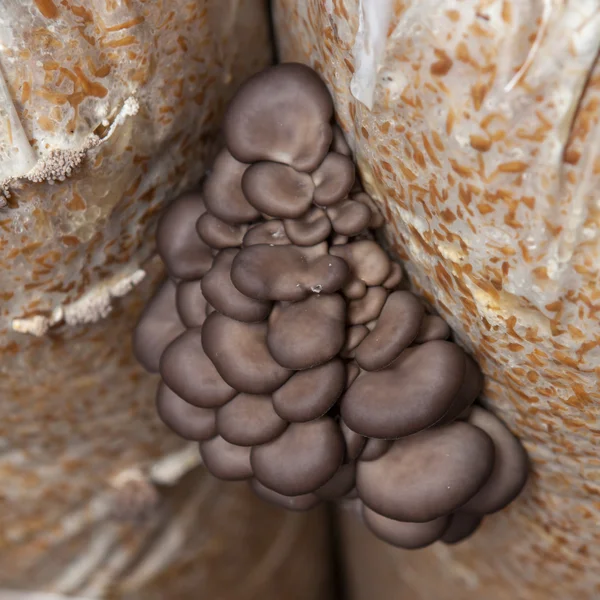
(135, 90)
(476, 127)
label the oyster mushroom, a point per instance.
(223, 191)
(304, 458)
(428, 475)
(278, 190)
(185, 255)
(282, 115)
(413, 393)
(158, 325)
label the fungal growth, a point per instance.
(287, 349)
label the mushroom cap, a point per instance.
(271, 233)
(377, 219)
(339, 485)
(470, 388)
(427, 475)
(349, 217)
(226, 461)
(220, 292)
(355, 289)
(462, 525)
(302, 459)
(374, 449)
(249, 419)
(191, 303)
(218, 234)
(185, 255)
(354, 442)
(186, 420)
(278, 190)
(394, 278)
(158, 325)
(223, 191)
(283, 115)
(354, 336)
(367, 308)
(413, 393)
(433, 327)
(367, 260)
(396, 328)
(333, 179)
(187, 370)
(296, 503)
(240, 354)
(286, 273)
(309, 394)
(511, 466)
(339, 143)
(402, 534)
(313, 228)
(307, 333)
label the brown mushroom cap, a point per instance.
(339, 240)
(311, 229)
(158, 326)
(339, 143)
(187, 370)
(286, 273)
(396, 328)
(333, 179)
(186, 420)
(307, 333)
(191, 303)
(462, 525)
(218, 234)
(282, 115)
(427, 475)
(402, 534)
(377, 219)
(355, 289)
(432, 328)
(375, 449)
(349, 217)
(240, 354)
(510, 466)
(248, 420)
(367, 260)
(297, 503)
(394, 278)
(411, 394)
(367, 308)
(354, 442)
(339, 485)
(269, 232)
(185, 255)
(309, 394)
(467, 394)
(354, 336)
(223, 191)
(226, 461)
(302, 459)
(278, 190)
(220, 292)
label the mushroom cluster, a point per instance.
(287, 349)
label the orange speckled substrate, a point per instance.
(120, 103)
(476, 127)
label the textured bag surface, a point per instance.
(475, 125)
(119, 104)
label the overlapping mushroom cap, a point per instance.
(287, 349)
